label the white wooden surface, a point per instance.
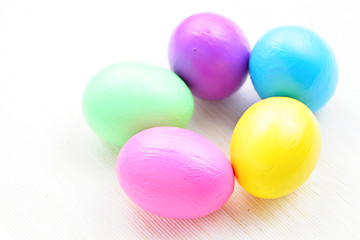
(58, 178)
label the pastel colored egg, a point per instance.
(128, 97)
(275, 147)
(174, 173)
(294, 62)
(210, 53)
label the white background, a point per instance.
(58, 178)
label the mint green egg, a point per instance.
(128, 97)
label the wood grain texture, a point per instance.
(58, 178)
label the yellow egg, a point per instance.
(275, 147)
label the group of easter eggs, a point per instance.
(176, 173)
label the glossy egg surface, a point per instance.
(175, 173)
(275, 147)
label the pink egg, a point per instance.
(175, 173)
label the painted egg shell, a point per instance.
(126, 98)
(210, 53)
(294, 62)
(275, 147)
(175, 173)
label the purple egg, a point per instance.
(210, 53)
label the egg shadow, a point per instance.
(244, 208)
(155, 227)
(241, 214)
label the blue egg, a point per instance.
(294, 62)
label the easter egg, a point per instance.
(275, 147)
(174, 173)
(128, 97)
(210, 53)
(294, 62)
